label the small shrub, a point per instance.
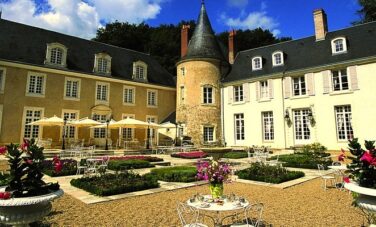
(4, 179)
(175, 174)
(119, 165)
(138, 157)
(303, 160)
(269, 174)
(69, 168)
(113, 184)
(190, 155)
(314, 149)
(236, 155)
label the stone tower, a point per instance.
(199, 73)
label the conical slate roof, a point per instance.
(204, 44)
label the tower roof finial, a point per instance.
(202, 2)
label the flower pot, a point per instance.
(216, 190)
(23, 211)
(366, 199)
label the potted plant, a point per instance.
(216, 173)
(27, 198)
(362, 171)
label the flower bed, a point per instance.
(267, 173)
(68, 167)
(175, 174)
(113, 184)
(236, 155)
(302, 160)
(190, 155)
(119, 165)
(138, 157)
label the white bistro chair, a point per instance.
(189, 216)
(252, 215)
(325, 178)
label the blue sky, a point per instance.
(83, 17)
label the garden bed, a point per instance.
(268, 174)
(69, 167)
(138, 157)
(114, 184)
(175, 174)
(302, 160)
(236, 155)
(120, 165)
(190, 155)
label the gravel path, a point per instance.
(302, 205)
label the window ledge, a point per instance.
(300, 97)
(338, 53)
(207, 104)
(102, 102)
(265, 100)
(278, 65)
(342, 92)
(257, 69)
(268, 141)
(71, 98)
(238, 103)
(55, 65)
(149, 106)
(128, 104)
(35, 95)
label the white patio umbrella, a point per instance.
(104, 125)
(85, 122)
(129, 123)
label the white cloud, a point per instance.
(251, 21)
(237, 3)
(78, 17)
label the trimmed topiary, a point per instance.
(119, 165)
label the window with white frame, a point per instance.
(129, 95)
(239, 126)
(207, 94)
(264, 89)
(31, 115)
(102, 65)
(36, 84)
(70, 131)
(151, 132)
(140, 70)
(72, 88)
(128, 133)
(344, 122)
(56, 54)
(152, 98)
(340, 80)
(299, 86)
(100, 133)
(2, 80)
(208, 133)
(102, 92)
(268, 126)
(339, 45)
(256, 63)
(182, 94)
(278, 58)
(238, 93)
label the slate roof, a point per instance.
(27, 44)
(203, 43)
(170, 118)
(306, 53)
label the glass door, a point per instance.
(301, 127)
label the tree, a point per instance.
(367, 12)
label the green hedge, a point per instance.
(303, 160)
(4, 179)
(119, 165)
(267, 173)
(175, 174)
(236, 155)
(113, 184)
(69, 168)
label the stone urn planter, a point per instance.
(23, 211)
(366, 199)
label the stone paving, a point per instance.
(167, 186)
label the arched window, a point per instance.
(140, 71)
(256, 63)
(56, 55)
(278, 58)
(339, 45)
(102, 63)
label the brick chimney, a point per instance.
(231, 46)
(321, 24)
(184, 39)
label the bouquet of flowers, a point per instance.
(363, 166)
(213, 171)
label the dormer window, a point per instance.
(278, 58)
(339, 45)
(102, 64)
(256, 63)
(140, 71)
(56, 55)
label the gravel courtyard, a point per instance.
(306, 204)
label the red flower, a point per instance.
(346, 179)
(5, 195)
(368, 158)
(25, 145)
(58, 166)
(341, 157)
(29, 161)
(3, 150)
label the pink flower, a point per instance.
(58, 166)
(25, 145)
(5, 195)
(341, 157)
(29, 161)
(346, 179)
(3, 150)
(368, 158)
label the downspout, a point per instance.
(223, 117)
(283, 107)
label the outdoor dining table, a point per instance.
(208, 204)
(340, 170)
(93, 164)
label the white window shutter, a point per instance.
(246, 92)
(270, 86)
(310, 83)
(257, 84)
(230, 91)
(353, 75)
(287, 87)
(326, 81)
